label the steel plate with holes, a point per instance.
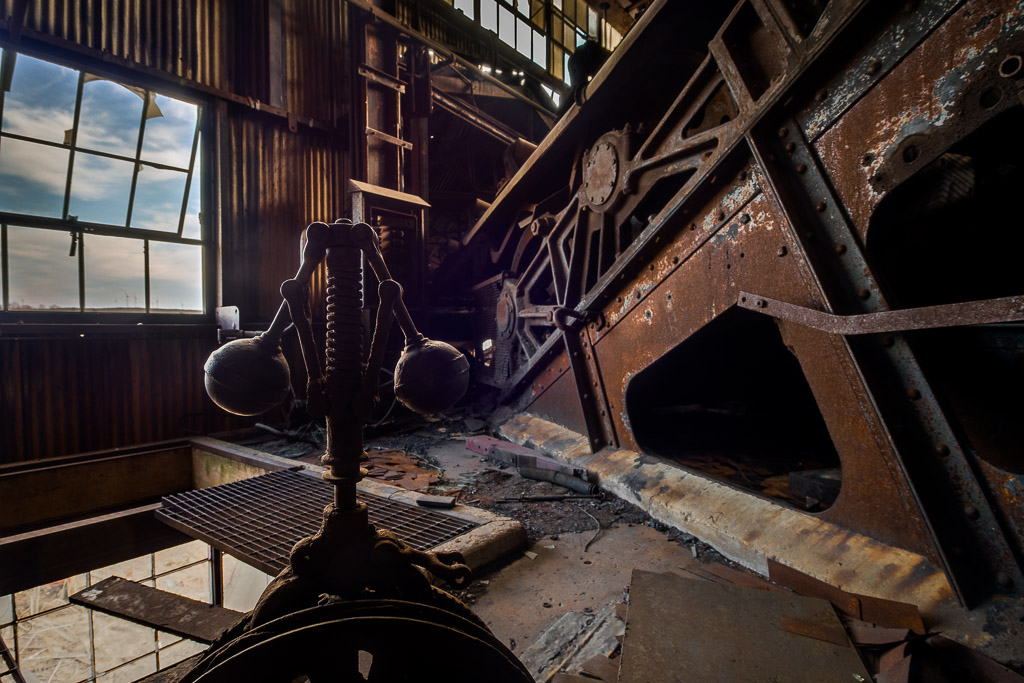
(258, 520)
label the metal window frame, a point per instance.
(150, 578)
(78, 229)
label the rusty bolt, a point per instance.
(820, 206)
(783, 132)
(864, 293)
(914, 394)
(888, 341)
(840, 249)
(821, 95)
(603, 413)
(675, 259)
(874, 66)
(1011, 66)
(867, 159)
(790, 147)
(801, 168)
(782, 251)
(745, 218)
(595, 381)
(618, 299)
(1004, 580)
(638, 294)
(650, 219)
(720, 214)
(742, 176)
(761, 303)
(972, 512)
(650, 267)
(942, 449)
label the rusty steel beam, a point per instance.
(777, 159)
(1004, 310)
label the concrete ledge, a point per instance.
(744, 527)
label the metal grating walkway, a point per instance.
(258, 520)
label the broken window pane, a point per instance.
(32, 178)
(158, 197)
(168, 135)
(41, 275)
(489, 15)
(100, 187)
(175, 277)
(41, 102)
(110, 116)
(114, 274)
(466, 7)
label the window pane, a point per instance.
(192, 228)
(506, 26)
(568, 35)
(32, 178)
(110, 116)
(48, 596)
(556, 60)
(168, 136)
(100, 188)
(466, 7)
(41, 102)
(540, 53)
(158, 197)
(58, 640)
(114, 274)
(118, 641)
(524, 40)
(523, 6)
(489, 15)
(6, 611)
(175, 277)
(41, 274)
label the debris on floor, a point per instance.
(691, 629)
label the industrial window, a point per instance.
(99, 194)
(546, 31)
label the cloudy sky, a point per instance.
(41, 105)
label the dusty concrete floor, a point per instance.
(524, 595)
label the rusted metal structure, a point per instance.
(773, 233)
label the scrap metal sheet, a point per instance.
(688, 630)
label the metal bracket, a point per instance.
(1005, 310)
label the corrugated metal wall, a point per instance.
(279, 182)
(67, 394)
(72, 394)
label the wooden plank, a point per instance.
(689, 630)
(889, 613)
(158, 609)
(48, 493)
(57, 552)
